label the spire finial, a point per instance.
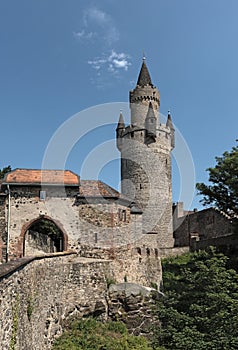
(143, 56)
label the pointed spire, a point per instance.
(150, 123)
(121, 123)
(150, 113)
(144, 76)
(169, 121)
(172, 130)
(119, 131)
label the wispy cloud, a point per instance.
(95, 15)
(82, 35)
(98, 28)
(98, 23)
(114, 62)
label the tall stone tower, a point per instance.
(145, 147)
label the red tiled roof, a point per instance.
(95, 188)
(31, 176)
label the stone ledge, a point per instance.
(12, 266)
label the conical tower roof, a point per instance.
(144, 76)
(169, 121)
(121, 123)
(150, 113)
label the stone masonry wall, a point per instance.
(204, 224)
(146, 179)
(225, 244)
(36, 299)
(2, 227)
(107, 225)
(139, 262)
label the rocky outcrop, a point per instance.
(133, 304)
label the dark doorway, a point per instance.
(43, 236)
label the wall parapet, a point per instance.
(224, 243)
(6, 269)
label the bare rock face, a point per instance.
(133, 304)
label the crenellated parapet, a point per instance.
(140, 94)
(162, 135)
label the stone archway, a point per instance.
(42, 236)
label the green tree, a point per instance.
(200, 310)
(4, 171)
(47, 227)
(223, 192)
(94, 335)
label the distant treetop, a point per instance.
(4, 171)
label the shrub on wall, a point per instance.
(93, 335)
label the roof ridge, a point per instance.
(109, 188)
(225, 214)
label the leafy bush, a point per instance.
(200, 310)
(94, 335)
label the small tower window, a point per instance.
(132, 134)
(140, 186)
(122, 215)
(96, 237)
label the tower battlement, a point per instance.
(145, 93)
(163, 135)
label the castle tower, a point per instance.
(145, 147)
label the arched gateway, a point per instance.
(41, 236)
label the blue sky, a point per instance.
(61, 57)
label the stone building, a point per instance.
(34, 196)
(48, 211)
(203, 228)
